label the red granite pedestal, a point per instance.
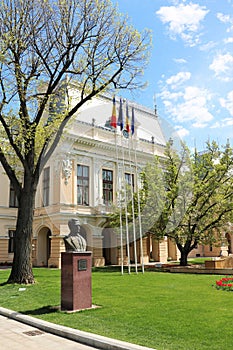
(76, 292)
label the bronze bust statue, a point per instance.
(74, 242)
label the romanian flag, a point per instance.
(120, 121)
(113, 122)
(132, 122)
(127, 126)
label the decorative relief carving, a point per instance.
(66, 168)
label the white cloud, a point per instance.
(189, 105)
(216, 125)
(229, 122)
(168, 96)
(178, 79)
(180, 60)
(181, 131)
(228, 40)
(222, 66)
(183, 20)
(223, 18)
(223, 123)
(208, 46)
(227, 19)
(200, 125)
(228, 102)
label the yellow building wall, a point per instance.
(7, 217)
(57, 247)
(4, 251)
(5, 189)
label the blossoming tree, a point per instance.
(46, 46)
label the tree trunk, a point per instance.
(184, 258)
(22, 264)
(184, 251)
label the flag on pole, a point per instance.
(127, 126)
(132, 122)
(120, 121)
(113, 122)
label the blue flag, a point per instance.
(120, 121)
(132, 122)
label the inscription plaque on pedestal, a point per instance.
(82, 265)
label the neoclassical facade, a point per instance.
(83, 178)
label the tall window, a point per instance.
(46, 183)
(11, 241)
(13, 202)
(129, 179)
(107, 186)
(83, 185)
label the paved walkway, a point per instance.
(15, 335)
(20, 332)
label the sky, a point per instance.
(190, 73)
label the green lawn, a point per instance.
(158, 310)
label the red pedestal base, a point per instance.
(76, 292)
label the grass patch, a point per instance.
(198, 261)
(159, 310)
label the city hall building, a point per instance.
(83, 178)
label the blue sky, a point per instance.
(191, 65)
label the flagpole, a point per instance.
(121, 230)
(128, 133)
(114, 125)
(138, 194)
(133, 212)
(120, 205)
(126, 211)
(120, 122)
(139, 210)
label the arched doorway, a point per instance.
(43, 246)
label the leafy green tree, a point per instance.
(48, 49)
(187, 198)
(198, 197)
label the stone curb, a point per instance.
(82, 337)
